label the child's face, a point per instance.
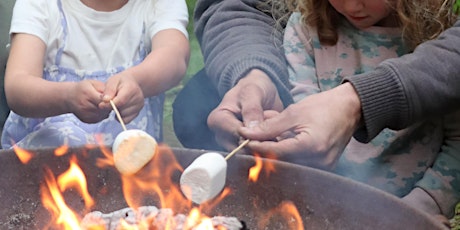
(365, 13)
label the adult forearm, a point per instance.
(236, 37)
(405, 90)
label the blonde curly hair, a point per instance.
(420, 20)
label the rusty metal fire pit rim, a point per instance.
(187, 155)
(327, 174)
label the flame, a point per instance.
(23, 155)
(51, 191)
(53, 200)
(289, 212)
(255, 170)
(154, 181)
(209, 205)
(196, 220)
(155, 178)
(75, 178)
(107, 161)
(126, 226)
(61, 151)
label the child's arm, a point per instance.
(299, 54)
(29, 95)
(441, 182)
(161, 70)
(165, 66)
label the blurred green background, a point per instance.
(195, 64)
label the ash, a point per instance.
(150, 218)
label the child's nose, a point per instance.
(353, 7)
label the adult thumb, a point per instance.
(268, 129)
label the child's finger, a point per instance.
(110, 90)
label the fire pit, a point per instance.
(322, 200)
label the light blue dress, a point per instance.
(67, 129)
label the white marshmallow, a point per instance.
(204, 178)
(132, 150)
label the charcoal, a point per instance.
(151, 218)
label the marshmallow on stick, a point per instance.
(205, 177)
(132, 149)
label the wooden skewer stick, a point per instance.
(118, 115)
(236, 150)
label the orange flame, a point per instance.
(61, 151)
(289, 212)
(108, 156)
(255, 170)
(153, 181)
(23, 155)
(155, 178)
(209, 205)
(75, 178)
(107, 161)
(196, 220)
(53, 200)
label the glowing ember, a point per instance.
(150, 217)
(127, 218)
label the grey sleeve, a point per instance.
(405, 90)
(236, 36)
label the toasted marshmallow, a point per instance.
(132, 150)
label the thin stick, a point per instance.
(118, 115)
(236, 150)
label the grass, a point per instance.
(195, 64)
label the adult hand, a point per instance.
(321, 126)
(243, 105)
(126, 95)
(84, 99)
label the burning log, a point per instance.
(152, 218)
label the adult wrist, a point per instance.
(353, 102)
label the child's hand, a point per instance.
(126, 94)
(84, 100)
